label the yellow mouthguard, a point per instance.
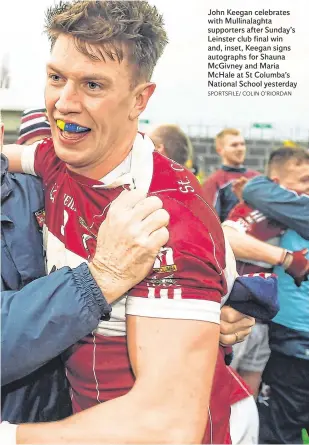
(60, 124)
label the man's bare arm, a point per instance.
(166, 405)
(247, 247)
(13, 152)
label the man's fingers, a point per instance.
(157, 219)
(232, 339)
(136, 200)
(240, 325)
(159, 238)
(232, 315)
(128, 199)
(145, 207)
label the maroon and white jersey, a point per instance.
(191, 277)
(246, 219)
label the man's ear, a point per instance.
(274, 175)
(142, 94)
(275, 179)
(219, 148)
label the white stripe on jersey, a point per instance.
(8, 433)
(164, 293)
(27, 158)
(230, 271)
(116, 326)
(184, 309)
(231, 371)
(211, 426)
(151, 292)
(177, 294)
(215, 257)
(259, 274)
(93, 368)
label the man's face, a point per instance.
(92, 94)
(295, 177)
(232, 150)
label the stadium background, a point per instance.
(259, 140)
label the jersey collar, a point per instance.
(227, 168)
(136, 170)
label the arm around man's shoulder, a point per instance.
(279, 203)
(43, 319)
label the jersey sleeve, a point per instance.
(240, 218)
(36, 159)
(188, 278)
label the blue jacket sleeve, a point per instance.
(278, 203)
(46, 317)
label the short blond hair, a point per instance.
(226, 132)
(106, 28)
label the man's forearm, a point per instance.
(122, 420)
(247, 247)
(100, 424)
(165, 405)
(13, 153)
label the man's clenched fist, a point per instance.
(234, 326)
(238, 186)
(297, 265)
(128, 242)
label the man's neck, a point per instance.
(107, 164)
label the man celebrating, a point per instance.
(284, 398)
(34, 387)
(98, 83)
(33, 308)
(255, 240)
(231, 148)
